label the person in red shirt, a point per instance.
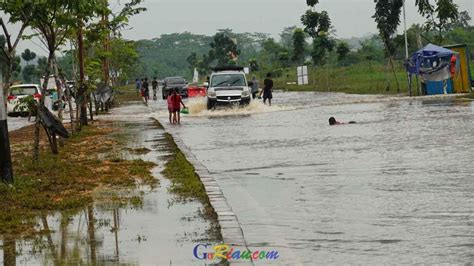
(177, 102)
(169, 100)
(452, 67)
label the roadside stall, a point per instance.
(439, 69)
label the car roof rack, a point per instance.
(228, 68)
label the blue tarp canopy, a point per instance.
(423, 59)
(431, 50)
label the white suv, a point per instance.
(228, 86)
(18, 92)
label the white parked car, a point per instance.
(228, 85)
(21, 91)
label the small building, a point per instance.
(443, 70)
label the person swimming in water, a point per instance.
(334, 122)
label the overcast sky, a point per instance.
(351, 18)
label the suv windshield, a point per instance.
(228, 80)
(176, 81)
(23, 91)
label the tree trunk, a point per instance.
(67, 95)
(59, 88)
(5, 154)
(91, 111)
(91, 233)
(8, 76)
(394, 73)
(41, 105)
(71, 111)
(82, 87)
(9, 250)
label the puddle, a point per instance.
(155, 229)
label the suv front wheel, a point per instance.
(211, 104)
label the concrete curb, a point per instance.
(231, 230)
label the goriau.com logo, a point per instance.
(226, 252)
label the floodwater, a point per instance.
(160, 231)
(397, 187)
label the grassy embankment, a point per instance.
(126, 94)
(363, 78)
(185, 183)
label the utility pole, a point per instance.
(106, 61)
(406, 47)
(5, 154)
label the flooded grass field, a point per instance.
(396, 187)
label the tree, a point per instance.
(299, 45)
(254, 66)
(342, 51)
(462, 21)
(312, 3)
(439, 15)
(387, 16)
(192, 61)
(28, 55)
(123, 59)
(223, 50)
(52, 20)
(286, 37)
(16, 68)
(321, 46)
(284, 58)
(317, 25)
(270, 54)
(18, 11)
(28, 73)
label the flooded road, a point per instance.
(396, 187)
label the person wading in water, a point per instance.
(267, 90)
(177, 102)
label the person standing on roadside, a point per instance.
(267, 89)
(146, 90)
(169, 100)
(154, 85)
(177, 102)
(138, 85)
(254, 87)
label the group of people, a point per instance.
(143, 87)
(174, 99)
(267, 90)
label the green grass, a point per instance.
(184, 181)
(126, 94)
(363, 78)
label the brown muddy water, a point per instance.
(159, 230)
(397, 187)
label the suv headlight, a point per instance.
(246, 92)
(211, 94)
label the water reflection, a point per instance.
(152, 232)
